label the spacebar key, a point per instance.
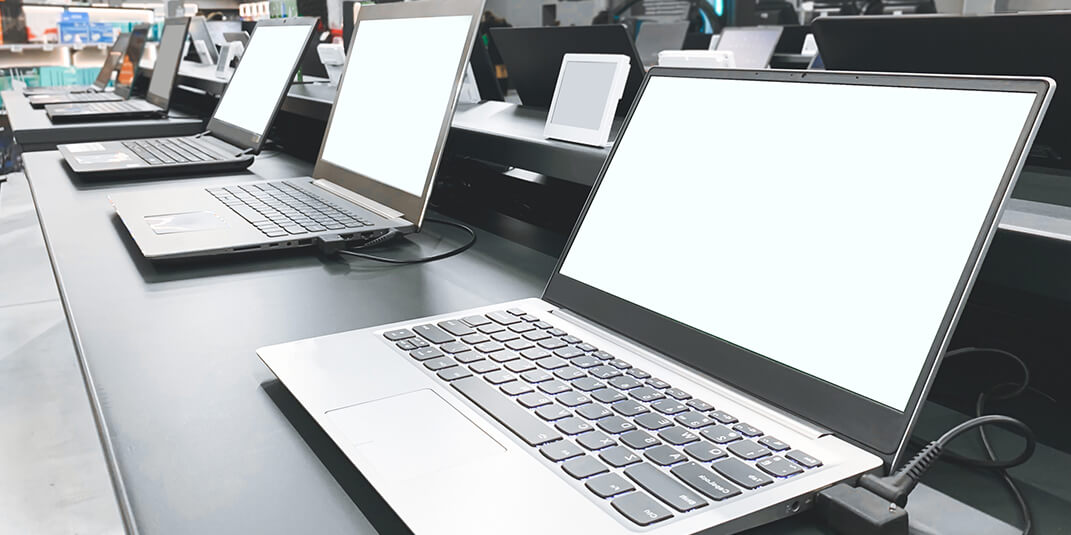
(506, 411)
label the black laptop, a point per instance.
(1013, 44)
(91, 93)
(235, 132)
(158, 97)
(533, 57)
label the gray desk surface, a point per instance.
(34, 131)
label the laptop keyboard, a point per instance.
(169, 150)
(280, 209)
(652, 450)
(119, 107)
(91, 97)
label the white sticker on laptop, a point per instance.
(85, 147)
(111, 157)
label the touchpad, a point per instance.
(184, 222)
(406, 436)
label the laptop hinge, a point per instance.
(244, 152)
(358, 199)
(791, 421)
(203, 134)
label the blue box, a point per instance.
(101, 32)
(74, 16)
(73, 32)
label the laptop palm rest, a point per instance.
(391, 433)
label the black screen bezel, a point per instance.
(240, 137)
(134, 51)
(163, 101)
(865, 422)
(104, 76)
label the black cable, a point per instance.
(466, 246)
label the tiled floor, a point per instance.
(53, 476)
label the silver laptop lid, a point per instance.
(827, 286)
(396, 99)
(115, 53)
(752, 47)
(260, 82)
(654, 37)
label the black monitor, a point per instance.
(533, 57)
(1015, 44)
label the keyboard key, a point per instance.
(557, 332)
(452, 374)
(607, 395)
(602, 355)
(536, 376)
(664, 487)
(592, 411)
(624, 383)
(723, 417)
(490, 328)
(516, 312)
(620, 364)
(520, 366)
(398, 334)
(720, 434)
(506, 412)
(503, 356)
(747, 430)
(454, 347)
(585, 466)
(568, 373)
(803, 459)
(433, 334)
(618, 456)
(669, 406)
(639, 440)
(521, 328)
(468, 357)
(657, 383)
(553, 387)
(629, 407)
(596, 440)
(678, 436)
(529, 318)
(573, 399)
(426, 353)
(742, 474)
(653, 421)
(646, 394)
(488, 347)
(677, 393)
(776, 466)
(568, 352)
(499, 377)
(700, 405)
(573, 426)
(516, 388)
(506, 336)
(518, 345)
(640, 508)
(543, 325)
(749, 450)
(552, 344)
(705, 452)
(604, 372)
(476, 321)
(608, 485)
(440, 363)
(638, 373)
(587, 384)
(560, 450)
(406, 345)
(503, 318)
(534, 399)
(615, 425)
(585, 362)
(587, 347)
(664, 455)
(474, 339)
(773, 443)
(535, 353)
(536, 336)
(456, 328)
(569, 339)
(552, 363)
(708, 483)
(694, 420)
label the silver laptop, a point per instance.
(714, 346)
(92, 93)
(752, 47)
(654, 37)
(377, 162)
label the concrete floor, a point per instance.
(53, 475)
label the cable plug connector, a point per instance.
(856, 511)
(897, 486)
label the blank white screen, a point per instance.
(841, 266)
(261, 76)
(585, 86)
(395, 92)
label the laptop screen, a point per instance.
(262, 75)
(128, 68)
(400, 76)
(842, 268)
(168, 55)
(751, 47)
(114, 54)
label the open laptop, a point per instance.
(158, 97)
(201, 43)
(235, 132)
(777, 335)
(654, 37)
(1012, 44)
(752, 46)
(533, 57)
(92, 93)
(377, 161)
